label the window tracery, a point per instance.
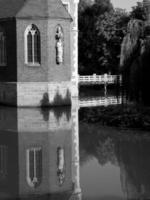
(32, 45)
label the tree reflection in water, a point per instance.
(129, 150)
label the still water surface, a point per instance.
(50, 155)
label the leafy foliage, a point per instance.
(111, 27)
(138, 12)
(132, 116)
(135, 51)
(101, 29)
(131, 40)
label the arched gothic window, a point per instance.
(34, 166)
(32, 45)
(59, 36)
(2, 47)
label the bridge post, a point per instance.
(105, 84)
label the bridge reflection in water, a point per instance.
(39, 154)
(100, 101)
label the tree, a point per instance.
(88, 15)
(138, 12)
(83, 4)
(101, 29)
(111, 28)
(135, 51)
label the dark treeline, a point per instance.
(101, 30)
(128, 117)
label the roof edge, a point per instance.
(61, 18)
(25, 2)
(7, 18)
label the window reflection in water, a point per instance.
(34, 166)
(3, 161)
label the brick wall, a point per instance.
(34, 83)
(48, 69)
(73, 10)
(9, 72)
(25, 72)
(8, 93)
(60, 72)
(43, 94)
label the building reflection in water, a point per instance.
(39, 153)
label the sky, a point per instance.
(125, 4)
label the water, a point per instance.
(114, 163)
(50, 155)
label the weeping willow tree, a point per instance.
(134, 59)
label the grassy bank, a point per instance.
(131, 116)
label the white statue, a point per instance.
(59, 45)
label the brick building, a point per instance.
(38, 52)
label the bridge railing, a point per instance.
(100, 79)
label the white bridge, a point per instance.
(100, 101)
(100, 79)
